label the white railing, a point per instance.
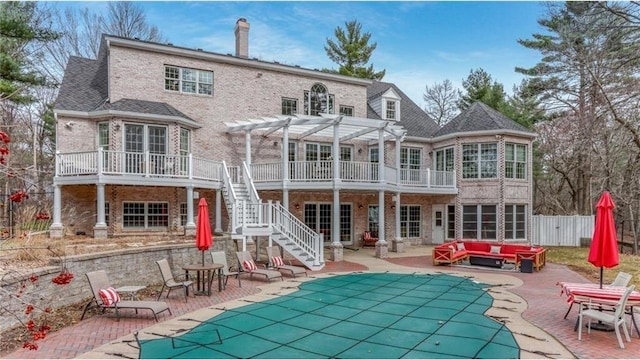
(248, 182)
(186, 166)
(135, 163)
(252, 214)
(295, 230)
(266, 172)
(352, 171)
(359, 171)
(229, 196)
(79, 163)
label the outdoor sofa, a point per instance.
(459, 250)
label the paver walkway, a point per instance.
(535, 295)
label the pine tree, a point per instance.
(352, 52)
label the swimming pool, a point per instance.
(358, 315)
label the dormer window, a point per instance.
(318, 100)
(391, 110)
(387, 106)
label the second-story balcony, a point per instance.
(352, 175)
(119, 167)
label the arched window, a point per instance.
(318, 100)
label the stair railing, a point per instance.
(298, 232)
(230, 198)
(248, 182)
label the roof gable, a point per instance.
(412, 117)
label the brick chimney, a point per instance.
(242, 38)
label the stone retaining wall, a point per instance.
(124, 267)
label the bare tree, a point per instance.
(82, 31)
(127, 19)
(441, 102)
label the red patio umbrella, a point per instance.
(604, 244)
(203, 228)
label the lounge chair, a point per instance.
(617, 319)
(98, 281)
(276, 261)
(247, 265)
(220, 257)
(170, 282)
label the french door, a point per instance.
(139, 139)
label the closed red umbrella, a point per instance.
(604, 244)
(203, 228)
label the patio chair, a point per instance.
(98, 281)
(170, 282)
(276, 261)
(247, 265)
(220, 257)
(622, 279)
(368, 239)
(617, 319)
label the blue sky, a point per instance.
(419, 43)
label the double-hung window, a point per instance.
(346, 153)
(289, 106)
(391, 110)
(186, 80)
(514, 222)
(480, 161)
(144, 215)
(515, 161)
(410, 221)
(479, 222)
(346, 110)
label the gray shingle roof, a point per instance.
(413, 118)
(83, 86)
(143, 107)
(84, 89)
(480, 117)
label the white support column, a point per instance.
(190, 226)
(335, 153)
(56, 229)
(218, 228)
(398, 147)
(247, 147)
(285, 167)
(285, 153)
(397, 244)
(100, 228)
(382, 245)
(100, 218)
(337, 251)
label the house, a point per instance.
(297, 155)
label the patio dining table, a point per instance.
(607, 295)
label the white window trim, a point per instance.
(180, 80)
(406, 221)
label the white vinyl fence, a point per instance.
(561, 230)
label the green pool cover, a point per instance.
(360, 315)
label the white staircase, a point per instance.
(249, 216)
